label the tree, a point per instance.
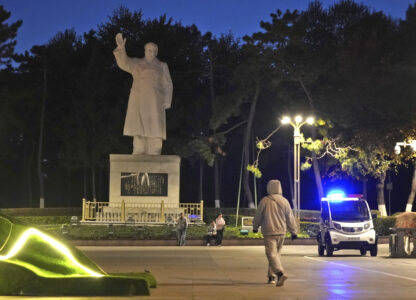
(220, 58)
(300, 44)
(11, 141)
(365, 112)
(253, 78)
(49, 60)
(407, 63)
(7, 34)
(343, 62)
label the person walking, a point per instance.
(181, 226)
(220, 223)
(274, 216)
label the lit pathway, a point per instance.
(239, 273)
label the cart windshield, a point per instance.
(349, 211)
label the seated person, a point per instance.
(212, 233)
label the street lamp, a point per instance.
(297, 123)
(397, 150)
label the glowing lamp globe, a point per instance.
(285, 120)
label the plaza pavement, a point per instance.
(239, 272)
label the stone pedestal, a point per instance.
(144, 178)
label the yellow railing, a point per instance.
(193, 210)
(122, 212)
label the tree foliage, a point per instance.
(351, 66)
(7, 34)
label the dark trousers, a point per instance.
(209, 237)
(219, 236)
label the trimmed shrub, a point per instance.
(50, 211)
(44, 219)
(104, 232)
(229, 215)
(382, 225)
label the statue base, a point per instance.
(143, 179)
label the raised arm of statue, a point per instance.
(123, 61)
(121, 42)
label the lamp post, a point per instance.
(297, 123)
(397, 150)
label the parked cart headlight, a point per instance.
(337, 225)
(367, 225)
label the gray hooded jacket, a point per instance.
(274, 214)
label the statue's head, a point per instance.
(150, 51)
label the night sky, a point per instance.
(42, 19)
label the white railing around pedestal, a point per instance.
(122, 212)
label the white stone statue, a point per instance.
(150, 96)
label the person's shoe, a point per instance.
(280, 279)
(208, 244)
(272, 280)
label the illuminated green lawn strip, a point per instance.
(52, 242)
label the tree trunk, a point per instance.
(201, 179)
(93, 188)
(85, 180)
(411, 197)
(246, 147)
(40, 143)
(239, 187)
(317, 173)
(29, 173)
(380, 195)
(365, 187)
(216, 183)
(253, 157)
(315, 165)
(100, 183)
(220, 169)
(68, 187)
(217, 199)
(28, 152)
(25, 176)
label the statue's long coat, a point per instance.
(150, 95)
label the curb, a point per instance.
(236, 242)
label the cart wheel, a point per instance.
(328, 247)
(374, 250)
(321, 250)
(363, 252)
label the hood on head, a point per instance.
(274, 187)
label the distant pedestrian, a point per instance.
(181, 226)
(274, 215)
(212, 233)
(220, 223)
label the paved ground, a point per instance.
(236, 272)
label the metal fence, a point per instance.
(126, 212)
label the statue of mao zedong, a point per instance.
(150, 96)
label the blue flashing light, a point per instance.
(336, 195)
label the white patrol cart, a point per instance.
(346, 223)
